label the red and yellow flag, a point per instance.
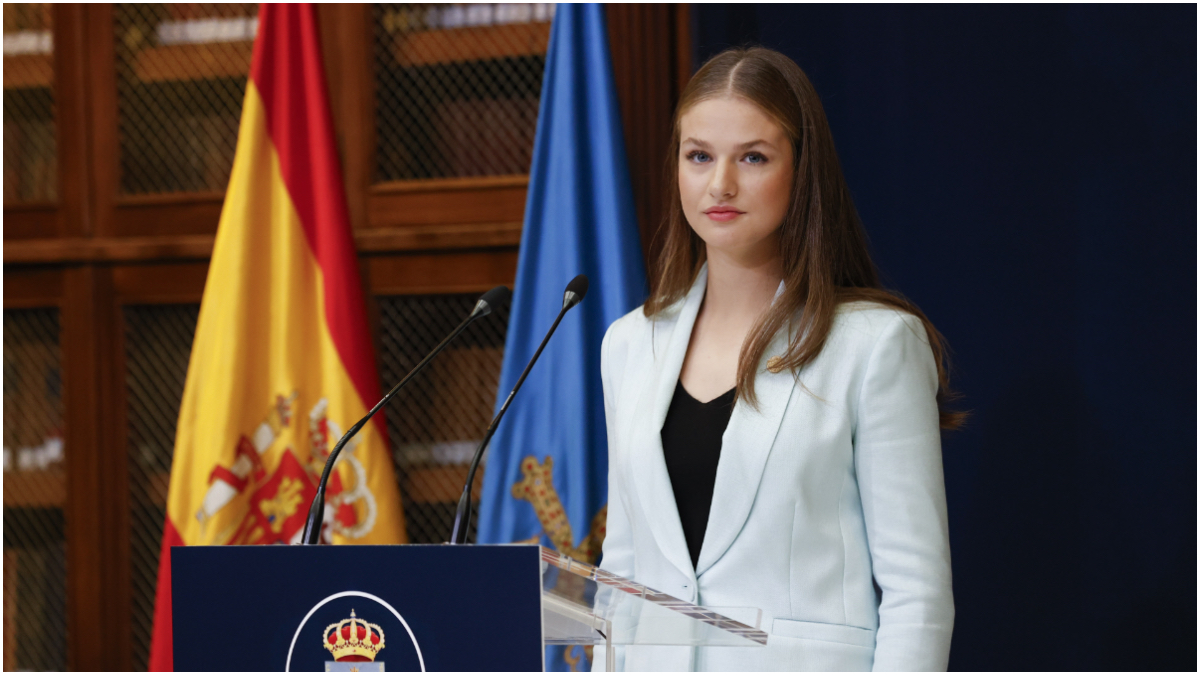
(282, 363)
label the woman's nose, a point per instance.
(724, 181)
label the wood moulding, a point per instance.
(77, 250)
(436, 237)
(35, 489)
(174, 282)
(194, 62)
(474, 43)
(199, 247)
(444, 202)
(25, 71)
(430, 203)
(170, 199)
(33, 287)
(451, 184)
(30, 221)
(437, 272)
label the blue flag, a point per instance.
(579, 219)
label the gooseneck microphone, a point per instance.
(462, 516)
(316, 512)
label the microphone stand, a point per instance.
(316, 512)
(462, 515)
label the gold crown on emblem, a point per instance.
(353, 639)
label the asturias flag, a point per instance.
(282, 361)
(547, 469)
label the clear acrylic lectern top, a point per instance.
(585, 605)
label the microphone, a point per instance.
(316, 512)
(462, 516)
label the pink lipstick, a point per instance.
(723, 214)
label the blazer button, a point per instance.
(775, 364)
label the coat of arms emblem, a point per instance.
(270, 483)
(354, 644)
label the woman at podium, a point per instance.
(773, 413)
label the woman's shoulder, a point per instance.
(622, 341)
(629, 329)
(866, 323)
(633, 340)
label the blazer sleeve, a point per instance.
(618, 539)
(898, 461)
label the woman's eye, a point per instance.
(755, 158)
(697, 156)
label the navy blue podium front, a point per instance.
(421, 608)
(367, 608)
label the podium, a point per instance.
(419, 608)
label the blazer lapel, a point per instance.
(645, 440)
(745, 446)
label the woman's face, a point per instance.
(735, 177)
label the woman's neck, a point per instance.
(740, 290)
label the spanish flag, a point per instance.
(282, 363)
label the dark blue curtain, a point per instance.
(1027, 175)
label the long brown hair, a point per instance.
(826, 261)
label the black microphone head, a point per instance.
(575, 291)
(490, 301)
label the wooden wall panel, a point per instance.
(448, 201)
(31, 221)
(74, 145)
(347, 42)
(647, 42)
(164, 215)
(101, 101)
(27, 287)
(441, 272)
(109, 249)
(439, 237)
(97, 537)
(179, 282)
(67, 215)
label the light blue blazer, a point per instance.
(829, 511)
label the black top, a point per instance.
(691, 439)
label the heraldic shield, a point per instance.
(262, 497)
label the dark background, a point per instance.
(1027, 175)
